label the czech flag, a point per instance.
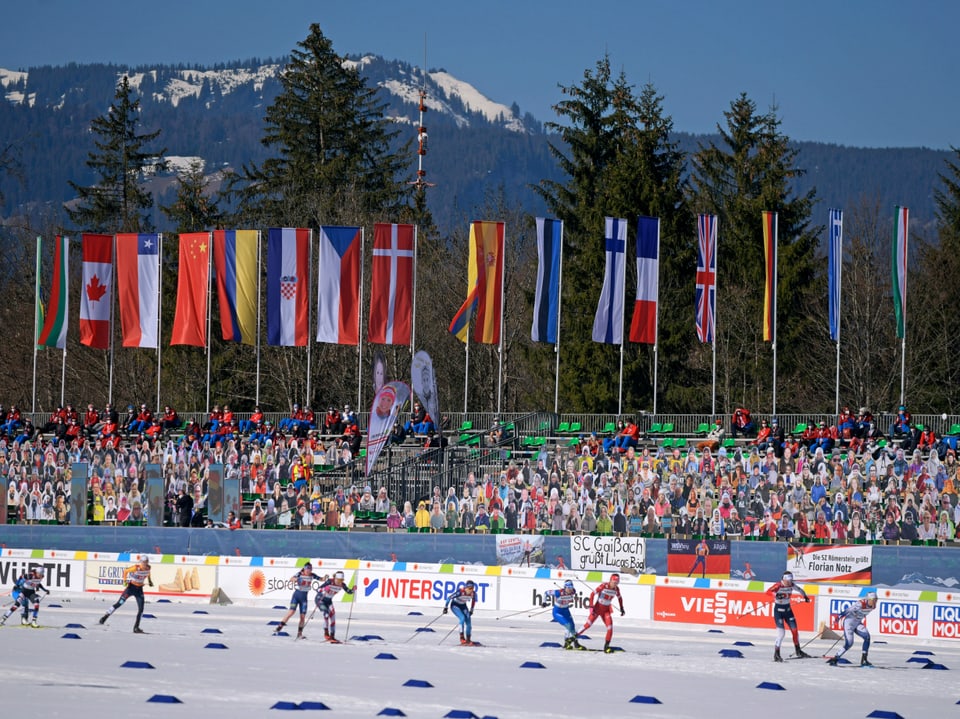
(338, 285)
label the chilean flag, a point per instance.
(338, 285)
(96, 297)
(138, 288)
(288, 286)
(391, 286)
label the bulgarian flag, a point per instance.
(900, 226)
(54, 330)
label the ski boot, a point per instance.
(103, 619)
(24, 621)
(326, 634)
(864, 662)
(34, 623)
(833, 661)
(577, 645)
(800, 653)
(776, 655)
(280, 627)
(138, 630)
(568, 643)
(607, 649)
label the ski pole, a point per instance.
(346, 637)
(427, 626)
(452, 630)
(832, 646)
(815, 637)
(535, 612)
(513, 614)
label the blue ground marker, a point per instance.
(385, 655)
(714, 631)
(136, 665)
(460, 714)
(164, 699)
(640, 699)
(771, 685)
(167, 601)
(743, 644)
(210, 630)
(919, 660)
(884, 714)
(286, 706)
(74, 625)
(409, 614)
(390, 712)
(921, 653)
(934, 665)
(424, 629)
(731, 653)
(319, 706)
(532, 665)
(148, 616)
(550, 645)
(70, 635)
(215, 645)
(421, 683)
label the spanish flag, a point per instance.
(770, 286)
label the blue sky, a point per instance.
(870, 73)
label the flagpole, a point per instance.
(503, 284)
(773, 302)
(413, 322)
(466, 368)
(259, 273)
(159, 310)
(63, 377)
(838, 269)
(556, 346)
(623, 311)
(36, 328)
(309, 400)
(112, 344)
(360, 324)
(656, 325)
(209, 308)
(716, 293)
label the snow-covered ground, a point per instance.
(46, 675)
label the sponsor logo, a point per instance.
(946, 621)
(370, 587)
(838, 607)
(257, 583)
(55, 574)
(902, 618)
(422, 590)
(721, 604)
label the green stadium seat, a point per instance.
(577, 427)
(655, 428)
(920, 427)
(730, 442)
(609, 428)
(800, 428)
(680, 442)
(466, 426)
(563, 428)
(667, 427)
(954, 429)
(703, 428)
(573, 441)
(668, 443)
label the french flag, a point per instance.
(288, 283)
(96, 297)
(643, 328)
(338, 285)
(138, 289)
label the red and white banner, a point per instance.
(96, 295)
(391, 286)
(687, 605)
(840, 564)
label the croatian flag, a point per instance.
(706, 276)
(608, 322)
(643, 328)
(138, 288)
(96, 297)
(391, 286)
(338, 285)
(835, 270)
(546, 305)
(288, 286)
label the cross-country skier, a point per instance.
(563, 599)
(302, 584)
(854, 622)
(463, 601)
(325, 594)
(601, 604)
(783, 613)
(135, 576)
(29, 586)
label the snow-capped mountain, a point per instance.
(400, 83)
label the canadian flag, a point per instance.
(96, 296)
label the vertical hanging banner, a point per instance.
(193, 281)
(608, 322)
(288, 287)
(460, 324)
(488, 237)
(235, 267)
(391, 285)
(770, 279)
(138, 289)
(546, 304)
(835, 270)
(706, 304)
(96, 295)
(425, 385)
(54, 330)
(383, 413)
(643, 327)
(900, 232)
(338, 286)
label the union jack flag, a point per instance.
(706, 276)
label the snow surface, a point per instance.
(45, 675)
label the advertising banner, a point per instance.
(700, 558)
(172, 580)
(425, 590)
(274, 583)
(733, 608)
(613, 554)
(846, 564)
(520, 549)
(65, 575)
(519, 593)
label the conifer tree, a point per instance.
(118, 200)
(193, 209)
(333, 160)
(747, 172)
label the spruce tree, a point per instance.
(118, 200)
(333, 161)
(747, 172)
(193, 209)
